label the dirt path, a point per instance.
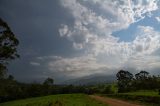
(112, 102)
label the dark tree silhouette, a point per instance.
(142, 75)
(124, 75)
(124, 80)
(8, 46)
(10, 77)
(48, 81)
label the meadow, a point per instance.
(56, 100)
(146, 97)
(143, 93)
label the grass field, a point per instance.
(56, 100)
(143, 93)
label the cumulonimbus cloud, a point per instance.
(92, 28)
(115, 15)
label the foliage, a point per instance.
(108, 90)
(2, 71)
(142, 81)
(8, 46)
(124, 80)
(142, 75)
(149, 97)
(143, 93)
(48, 81)
(10, 89)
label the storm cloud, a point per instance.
(67, 39)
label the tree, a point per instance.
(8, 46)
(48, 81)
(124, 80)
(124, 75)
(48, 85)
(10, 77)
(145, 81)
(108, 89)
(2, 71)
(142, 75)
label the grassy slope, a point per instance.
(56, 100)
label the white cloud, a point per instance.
(144, 49)
(140, 62)
(92, 31)
(109, 54)
(158, 19)
(78, 66)
(77, 45)
(64, 30)
(90, 25)
(35, 63)
(49, 58)
(147, 40)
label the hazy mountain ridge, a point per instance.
(91, 80)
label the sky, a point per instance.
(67, 39)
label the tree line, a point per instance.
(10, 89)
(140, 81)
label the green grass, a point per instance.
(148, 98)
(143, 93)
(56, 100)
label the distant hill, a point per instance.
(91, 80)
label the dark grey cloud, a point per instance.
(36, 25)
